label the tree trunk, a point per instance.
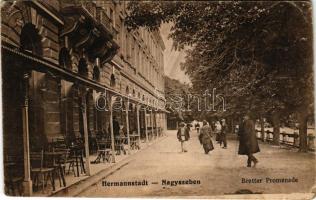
(276, 128)
(233, 126)
(262, 128)
(302, 119)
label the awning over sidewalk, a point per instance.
(46, 66)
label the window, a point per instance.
(122, 34)
(64, 58)
(112, 16)
(83, 67)
(96, 73)
(30, 40)
(127, 90)
(136, 53)
(119, 35)
(140, 63)
(150, 71)
(112, 80)
(146, 68)
(127, 46)
(132, 61)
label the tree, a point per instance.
(259, 54)
(176, 94)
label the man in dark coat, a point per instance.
(223, 134)
(183, 135)
(197, 127)
(205, 137)
(189, 126)
(248, 144)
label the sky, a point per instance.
(172, 58)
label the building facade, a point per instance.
(69, 68)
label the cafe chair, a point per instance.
(103, 151)
(12, 176)
(40, 174)
(75, 160)
(119, 145)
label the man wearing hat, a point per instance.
(223, 134)
(183, 136)
(248, 144)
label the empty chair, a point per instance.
(40, 174)
(103, 150)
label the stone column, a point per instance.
(138, 123)
(156, 122)
(127, 126)
(111, 128)
(160, 124)
(165, 121)
(152, 123)
(27, 182)
(146, 132)
(85, 132)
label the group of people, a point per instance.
(248, 144)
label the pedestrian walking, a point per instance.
(188, 126)
(218, 129)
(197, 127)
(248, 144)
(223, 134)
(183, 136)
(205, 137)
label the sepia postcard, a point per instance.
(158, 99)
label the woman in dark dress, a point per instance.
(205, 137)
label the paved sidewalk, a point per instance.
(219, 173)
(97, 171)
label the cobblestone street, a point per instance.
(221, 172)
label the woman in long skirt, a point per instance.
(205, 137)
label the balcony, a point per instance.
(106, 22)
(88, 27)
(90, 8)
